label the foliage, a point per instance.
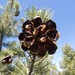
(8, 23)
(42, 66)
(15, 52)
(68, 62)
(45, 14)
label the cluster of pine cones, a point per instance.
(38, 36)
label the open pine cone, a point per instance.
(7, 60)
(37, 37)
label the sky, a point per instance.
(64, 16)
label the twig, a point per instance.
(32, 65)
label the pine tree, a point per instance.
(8, 28)
(68, 62)
(8, 23)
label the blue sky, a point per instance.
(64, 16)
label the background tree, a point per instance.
(8, 28)
(8, 23)
(68, 62)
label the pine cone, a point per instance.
(37, 36)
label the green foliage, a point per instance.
(19, 68)
(68, 62)
(8, 23)
(45, 14)
(15, 52)
(42, 66)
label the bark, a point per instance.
(32, 65)
(1, 41)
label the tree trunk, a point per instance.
(31, 65)
(1, 41)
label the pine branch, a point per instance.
(40, 60)
(32, 65)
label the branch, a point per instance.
(32, 65)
